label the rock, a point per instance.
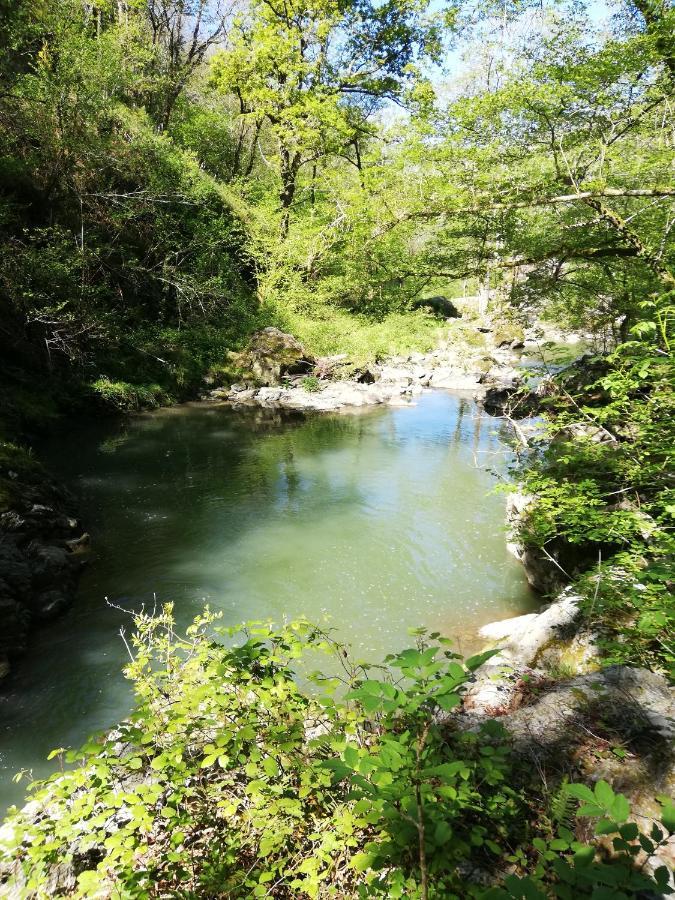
(49, 564)
(509, 335)
(543, 571)
(451, 378)
(441, 306)
(497, 398)
(78, 545)
(332, 395)
(365, 376)
(49, 604)
(327, 366)
(521, 638)
(505, 394)
(520, 641)
(569, 728)
(583, 431)
(271, 354)
(15, 573)
(40, 560)
(394, 375)
(579, 655)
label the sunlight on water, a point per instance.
(374, 523)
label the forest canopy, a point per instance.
(173, 175)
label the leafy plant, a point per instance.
(230, 780)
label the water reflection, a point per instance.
(376, 523)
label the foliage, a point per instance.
(607, 505)
(230, 780)
(576, 872)
(311, 383)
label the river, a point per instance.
(374, 522)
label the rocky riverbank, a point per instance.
(42, 550)
(276, 372)
(615, 723)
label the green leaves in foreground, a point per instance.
(568, 869)
(229, 780)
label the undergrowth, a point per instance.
(230, 780)
(604, 498)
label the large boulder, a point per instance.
(271, 354)
(440, 306)
(509, 335)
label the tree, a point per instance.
(315, 69)
(183, 32)
(560, 176)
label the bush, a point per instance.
(610, 506)
(230, 780)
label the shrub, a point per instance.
(230, 780)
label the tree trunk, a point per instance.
(290, 163)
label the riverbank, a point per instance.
(43, 546)
(42, 550)
(276, 371)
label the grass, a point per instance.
(330, 331)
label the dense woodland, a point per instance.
(176, 174)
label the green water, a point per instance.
(376, 522)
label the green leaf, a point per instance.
(668, 817)
(442, 833)
(606, 826)
(580, 792)
(584, 857)
(604, 794)
(476, 661)
(620, 808)
(351, 757)
(270, 766)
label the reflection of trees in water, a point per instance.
(462, 408)
(191, 488)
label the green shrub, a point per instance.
(127, 397)
(612, 503)
(230, 780)
(311, 383)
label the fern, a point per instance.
(562, 807)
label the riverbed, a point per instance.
(372, 523)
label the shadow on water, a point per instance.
(374, 522)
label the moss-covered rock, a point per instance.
(271, 354)
(509, 335)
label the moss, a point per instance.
(508, 334)
(565, 658)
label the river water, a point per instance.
(374, 522)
